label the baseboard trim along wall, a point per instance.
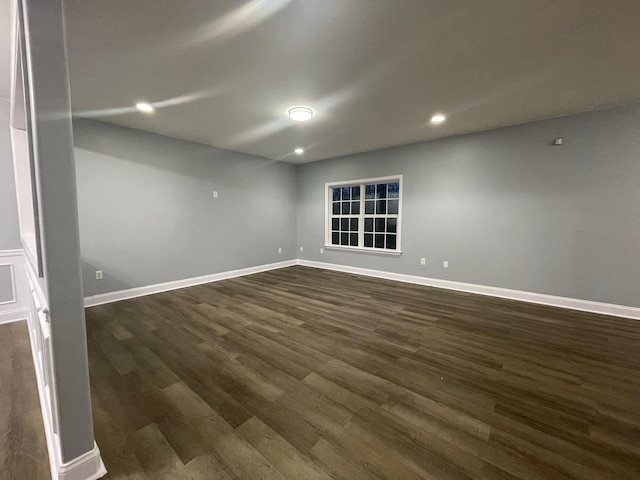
(174, 285)
(530, 297)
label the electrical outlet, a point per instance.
(321, 251)
(445, 264)
(423, 261)
(215, 194)
(98, 274)
(279, 250)
(302, 249)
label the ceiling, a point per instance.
(225, 72)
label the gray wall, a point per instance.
(9, 230)
(6, 284)
(506, 208)
(147, 213)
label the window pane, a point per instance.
(391, 242)
(354, 239)
(345, 208)
(355, 193)
(344, 224)
(336, 208)
(335, 238)
(381, 207)
(355, 208)
(336, 194)
(368, 240)
(379, 240)
(381, 190)
(392, 225)
(379, 224)
(335, 222)
(368, 224)
(354, 225)
(393, 190)
(346, 195)
(370, 191)
(393, 206)
(368, 207)
(344, 239)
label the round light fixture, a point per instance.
(144, 107)
(300, 114)
(439, 118)
(299, 151)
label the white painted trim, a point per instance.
(14, 289)
(14, 315)
(530, 297)
(174, 285)
(17, 308)
(372, 251)
(11, 253)
(88, 466)
(328, 203)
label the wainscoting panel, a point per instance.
(14, 289)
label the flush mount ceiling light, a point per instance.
(300, 114)
(299, 151)
(439, 118)
(144, 107)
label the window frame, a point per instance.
(328, 199)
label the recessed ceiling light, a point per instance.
(299, 151)
(300, 114)
(144, 107)
(439, 118)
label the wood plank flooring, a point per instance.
(23, 446)
(302, 373)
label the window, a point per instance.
(365, 214)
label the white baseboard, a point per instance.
(174, 285)
(85, 467)
(530, 297)
(14, 315)
(88, 466)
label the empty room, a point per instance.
(320, 239)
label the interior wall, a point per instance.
(147, 212)
(505, 208)
(9, 229)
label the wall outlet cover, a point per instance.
(98, 274)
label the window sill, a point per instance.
(370, 251)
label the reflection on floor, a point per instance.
(23, 445)
(302, 373)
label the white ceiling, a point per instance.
(225, 72)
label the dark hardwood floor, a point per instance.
(23, 446)
(302, 373)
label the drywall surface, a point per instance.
(506, 208)
(9, 229)
(148, 215)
